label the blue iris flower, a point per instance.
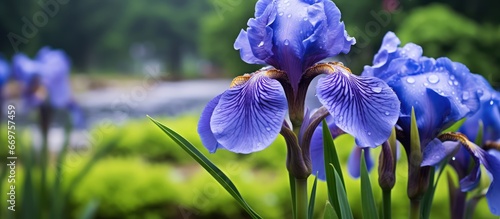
(292, 36)
(45, 80)
(441, 92)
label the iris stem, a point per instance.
(301, 198)
(386, 196)
(415, 209)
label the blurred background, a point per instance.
(167, 59)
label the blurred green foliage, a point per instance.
(443, 32)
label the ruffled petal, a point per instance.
(292, 35)
(488, 114)
(248, 117)
(436, 151)
(206, 135)
(354, 161)
(316, 147)
(364, 107)
(246, 52)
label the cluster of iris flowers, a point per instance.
(404, 94)
(43, 82)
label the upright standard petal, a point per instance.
(364, 107)
(488, 114)
(248, 117)
(292, 35)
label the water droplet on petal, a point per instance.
(480, 92)
(491, 102)
(268, 129)
(261, 44)
(455, 83)
(410, 80)
(281, 14)
(453, 158)
(450, 82)
(452, 77)
(340, 118)
(287, 42)
(305, 18)
(289, 16)
(465, 95)
(369, 133)
(433, 79)
(426, 84)
(387, 113)
(377, 89)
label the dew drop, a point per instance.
(426, 84)
(453, 158)
(480, 92)
(465, 95)
(452, 77)
(410, 80)
(281, 14)
(268, 129)
(369, 133)
(341, 118)
(377, 89)
(287, 42)
(289, 16)
(305, 18)
(433, 79)
(455, 83)
(450, 82)
(387, 113)
(260, 44)
(491, 102)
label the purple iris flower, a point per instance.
(45, 80)
(441, 92)
(292, 36)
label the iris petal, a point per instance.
(436, 151)
(249, 116)
(491, 162)
(204, 130)
(316, 148)
(54, 72)
(364, 107)
(353, 163)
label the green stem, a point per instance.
(301, 198)
(44, 157)
(386, 196)
(415, 209)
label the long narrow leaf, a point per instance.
(90, 209)
(345, 208)
(209, 166)
(331, 158)
(312, 200)
(369, 208)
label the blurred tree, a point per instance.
(443, 32)
(219, 30)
